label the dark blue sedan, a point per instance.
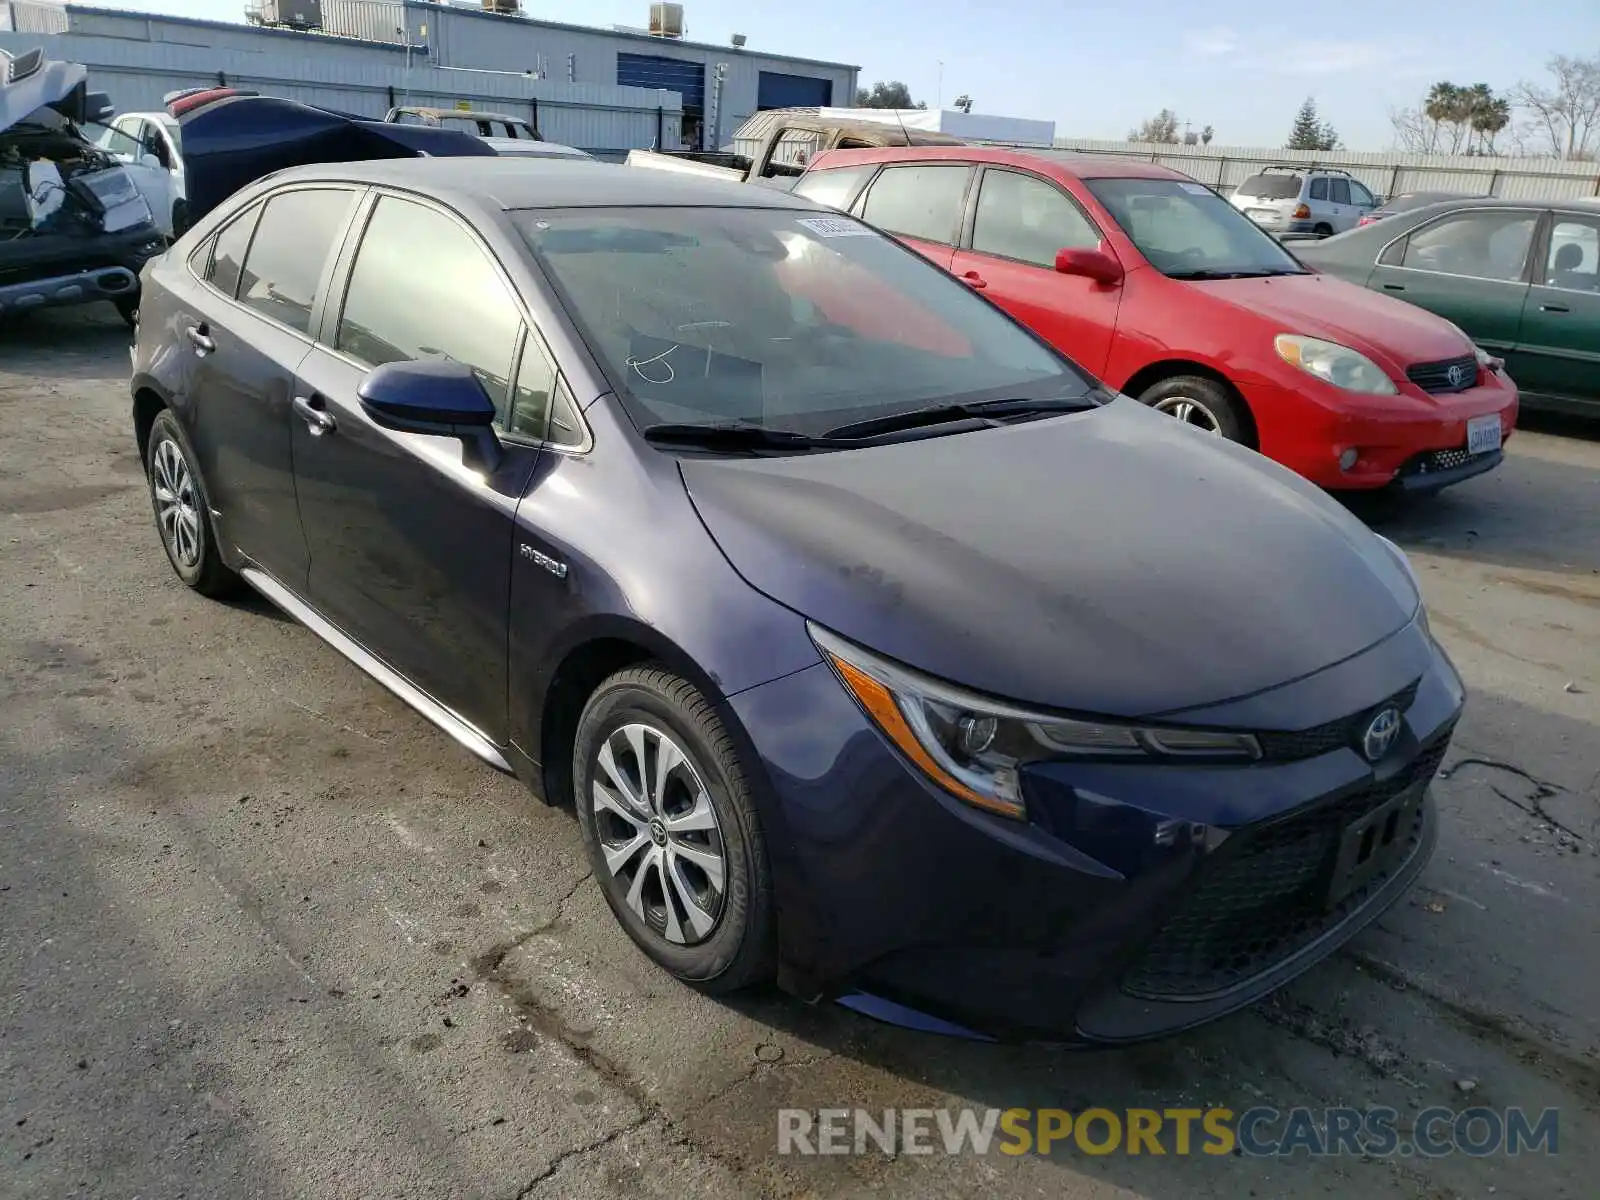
(878, 650)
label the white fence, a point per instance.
(1385, 174)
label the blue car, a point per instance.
(878, 650)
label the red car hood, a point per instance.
(1389, 331)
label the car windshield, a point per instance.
(792, 321)
(1187, 231)
(109, 139)
(1270, 187)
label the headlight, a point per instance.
(974, 747)
(1335, 364)
(1404, 560)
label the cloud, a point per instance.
(1306, 56)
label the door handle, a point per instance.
(1394, 287)
(317, 418)
(975, 281)
(199, 338)
(1554, 308)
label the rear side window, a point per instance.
(1340, 190)
(1271, 187)
(1028, 219)
(423, 287)
(1319, 189)
(833, 188)
(1482, 245)
(920, 202)
(293, 241)
(227, 259)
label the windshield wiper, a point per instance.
(947, 414)
(737, 435)
(1218, 274)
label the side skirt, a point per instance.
(457, 727)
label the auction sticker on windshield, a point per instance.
(832, 227)
(1483, 434)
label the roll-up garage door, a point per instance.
(776, 90)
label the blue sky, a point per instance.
(1099, 67)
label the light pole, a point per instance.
(938, 100)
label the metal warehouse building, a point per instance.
(602, 89)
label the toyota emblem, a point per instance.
(1458, 376)
(1380, 736)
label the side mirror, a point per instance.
(98, 108)
(1092, 264)
(436, 397)
(151, 161)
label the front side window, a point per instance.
(294, 239)
(1481, 245)
(788, 319)
(1361, 196)
(1028, 219)
(423, 287)
(833, 188)
(919, 202)
(1574, 260)
(1187, 231)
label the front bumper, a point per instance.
(1138, 900)
(52, 271)
(1410, 442)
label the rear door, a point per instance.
(1018, 222)
(411, 547)
(1558, 352)
(1469, 266)
(1344, 213)
(246, 329)
(921, 204)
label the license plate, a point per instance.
(1483, 434)
(1371, 844)
(1264, 216)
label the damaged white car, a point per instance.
(73, 226)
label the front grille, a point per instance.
(1436, 376)
(1331, 735)
(1263, 898)
(1432, 461)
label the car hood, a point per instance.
(29, 82)
(1387, 330)
(235, 140)
(528, 148)
(1114, 561)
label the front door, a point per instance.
(1558, 353)
(1018, 224)
(411, 546)
(921, 204)
(246, 330)
(1470, 267)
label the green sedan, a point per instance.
(1521, 277)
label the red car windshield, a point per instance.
(792, 320)
(1187, 231)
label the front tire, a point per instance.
(672, 832)
(1201, 402)
(182, 512)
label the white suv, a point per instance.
(1296, 200)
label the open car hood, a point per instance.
(29, 82)
(234, 140)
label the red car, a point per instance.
(1158, 286)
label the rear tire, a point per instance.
(183, 512)
(672, 832)
(1323, 230)
(1201, 402)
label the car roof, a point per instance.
(1581, 203)
(511, 183)
(1063, 162)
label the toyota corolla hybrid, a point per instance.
(850, 617)
(1156, 285)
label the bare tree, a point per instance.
(1162, 128)
(1567, 114)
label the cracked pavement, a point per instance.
(266, 933)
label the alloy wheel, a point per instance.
(659, 833)
(1190, 411)
(177, 504)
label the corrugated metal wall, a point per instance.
(1386, 174)
(358, 78)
